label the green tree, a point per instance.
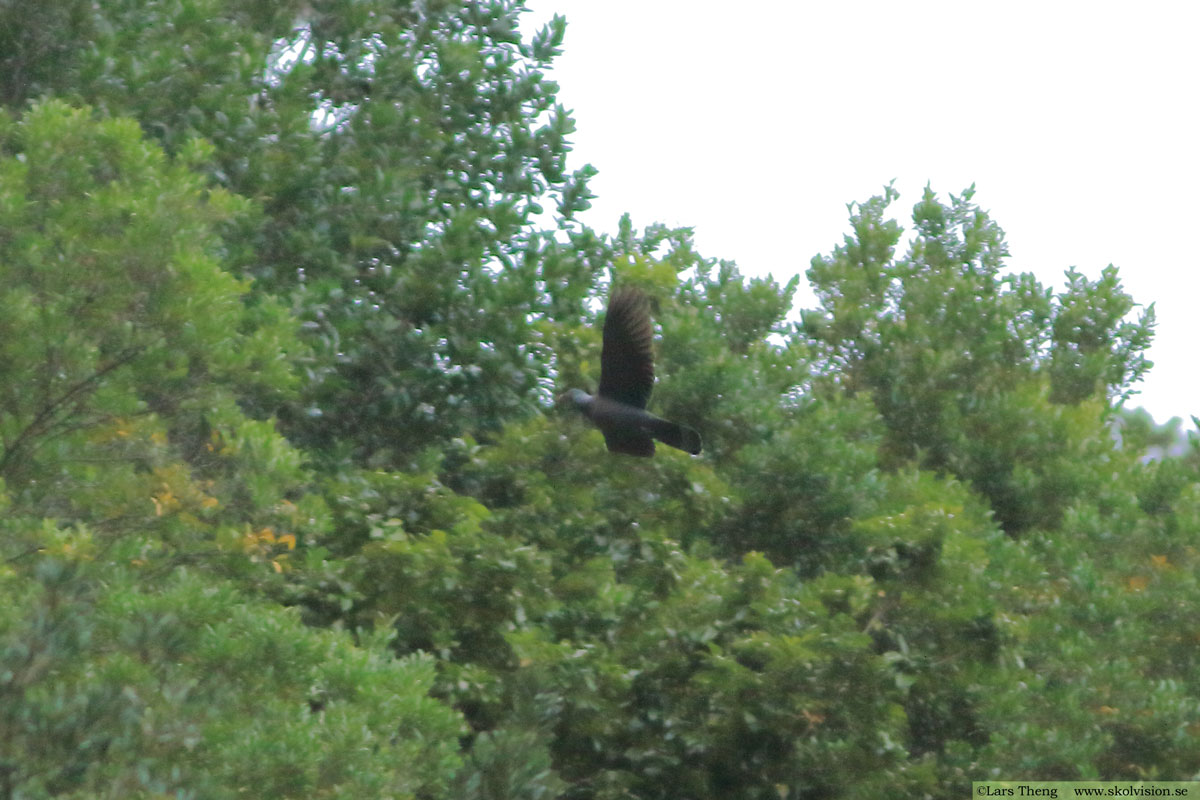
(135, 489)
(121, 678)
(986, 376)
(125, 347)
(401, 205)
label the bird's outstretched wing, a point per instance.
(627, 358)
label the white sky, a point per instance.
(756, 122)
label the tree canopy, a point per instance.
(287, 290)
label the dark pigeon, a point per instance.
(618, 409)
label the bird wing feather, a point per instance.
(627, 357)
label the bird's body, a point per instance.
(618, 409)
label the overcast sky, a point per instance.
(756, 122)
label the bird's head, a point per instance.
(575, 398)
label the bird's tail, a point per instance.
(681, 437)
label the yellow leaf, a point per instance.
(1160, 562)
(812, 717)
(1137, 583)
(165, 501)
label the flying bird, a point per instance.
(618, 409)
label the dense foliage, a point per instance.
(287, 289)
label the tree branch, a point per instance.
(41, 421)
